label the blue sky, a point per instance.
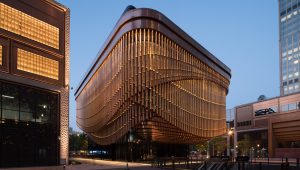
(242, 34)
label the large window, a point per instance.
(253, 143)
(27, 26)
(37, 64)
(10, 102)
(290, 106)
(25, 104)
(29, 126)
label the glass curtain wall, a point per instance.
(29, 126)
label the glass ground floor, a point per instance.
(133, 147)
(29, 126)
(255, 145)
(252, 143)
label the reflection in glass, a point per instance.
(29, 128)
(42, 108)
(10, 102)
(27, 106)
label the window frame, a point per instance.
(61, 69)
(5, 57)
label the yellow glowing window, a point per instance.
(27, 26)
(37, 64)
(0, 55)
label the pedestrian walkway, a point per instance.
(106, 164)
(93, 164)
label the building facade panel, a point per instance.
(279, 116)
(4, 54)
(34, 40)
(148, 83)
(289, 20)
(39, 15)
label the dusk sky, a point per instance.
(242, 34)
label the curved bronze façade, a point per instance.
(153, 78)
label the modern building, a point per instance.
(152, 87)
(289, 39)
(269, 128)
(34, 83)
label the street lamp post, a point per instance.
(258, 151)
(229, 134)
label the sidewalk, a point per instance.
(92, 164)
(106, 164)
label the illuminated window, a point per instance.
(25, 25)
(0, 55)
(37, 64)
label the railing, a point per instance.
(216, 163)
(269, 163)
(176, 162)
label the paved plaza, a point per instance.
(93, 164)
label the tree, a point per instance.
(243, 146)
(202, 147)
(78, 142)
(219, 144)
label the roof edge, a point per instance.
(134, 13)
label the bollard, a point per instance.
(239, 166)
(173, 163)
(127, 168)
(286, 163)
(260, 166)
(243, 165)
(297, 162)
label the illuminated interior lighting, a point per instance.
(10, 97)
(27, 26)
(37, 64)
